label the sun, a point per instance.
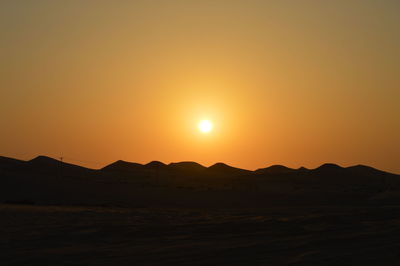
(205, 126)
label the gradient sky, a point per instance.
(298, 83)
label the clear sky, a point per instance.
(298, 83)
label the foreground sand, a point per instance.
(47, 235)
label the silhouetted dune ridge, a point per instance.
(187, 165)
(44, 180)
(364, 169)
(10, 161)
(302, 168)
(122, 166)
(45, 163)
(329, 166)
(190, 165)
(44, 160)
(227, 169)
(155, 164)
(275, 169)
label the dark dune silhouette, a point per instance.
(43, 160)
(302, 168)
(155, 165)
(190, 169)
(45, 180)
(46, 163)
(122, 166)
(226, 170)
(4, 161)
(274, 169)
(187, 166)
(56, 213)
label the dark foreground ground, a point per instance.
(40, 235)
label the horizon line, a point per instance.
(61, 159)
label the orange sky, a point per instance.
(298, 83)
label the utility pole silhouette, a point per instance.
(60, 169)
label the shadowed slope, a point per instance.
(9, 163)
(226, 170)
(155, 165)
(122, 166)
(187, 166)
(364, 170)
(329, 168)
(275, 169)
(52, 166)
(43, 160)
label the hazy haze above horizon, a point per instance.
(297, 83)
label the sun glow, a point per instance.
(205, 126)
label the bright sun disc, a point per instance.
(205, 126)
